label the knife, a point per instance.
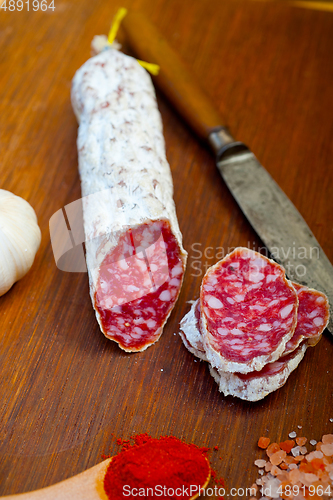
(270, 212)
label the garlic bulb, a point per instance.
(20, 238)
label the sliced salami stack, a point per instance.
(252, 325)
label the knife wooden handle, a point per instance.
(174, 79)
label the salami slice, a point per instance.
(134, 252)
(251, 386)
(312, 317)
(248, 311)
(258, 384)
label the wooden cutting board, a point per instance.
(67, 393)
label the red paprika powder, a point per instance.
(157, 468)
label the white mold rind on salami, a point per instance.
(248, 312)
(257, 385)
(133, 241)
(190, 332)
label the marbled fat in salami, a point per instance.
(312, 317)
(248, 311)
(134, 252)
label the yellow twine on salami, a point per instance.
(152, 68)
(121, 13)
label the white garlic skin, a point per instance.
(20, 238)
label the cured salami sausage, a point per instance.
(134, 251)
(248, 311)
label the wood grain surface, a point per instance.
(66, 392)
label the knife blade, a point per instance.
(270, 212)
(278, 223)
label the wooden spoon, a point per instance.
(85, 486)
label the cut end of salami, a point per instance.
(201, 326)
(138, 285)
(249, 311)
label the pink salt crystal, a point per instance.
(309, 478)
(272, 448)
(325, 479)
(327, 439)
(277, 457)
(293, 466)
(301, 477)
(283, 476)
(260, 463)
(301, 440)
(268, 466)
(303, 450)
(275, 470)
(314, 454)
(271, 486)
(295, 451)
(327, 449)
(294, 476)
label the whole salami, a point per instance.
(134, 252)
